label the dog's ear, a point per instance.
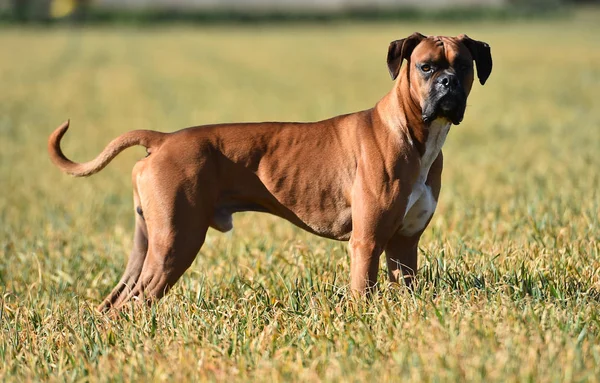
(400, 50)
(482, 55)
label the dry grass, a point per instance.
(510, 267)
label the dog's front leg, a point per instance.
(401, 254)
(364, 263)
(370, 232)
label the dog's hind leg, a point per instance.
(170, 254)
(138, 252)
(177, 224)
(133, 268)
(176, 212)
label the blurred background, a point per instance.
(255, 10)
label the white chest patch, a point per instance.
(421, 203)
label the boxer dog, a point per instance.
(371, 177)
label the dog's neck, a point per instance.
(404, 115)
(436, 136)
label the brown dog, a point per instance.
(371, 177)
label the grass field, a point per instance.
(509, 279)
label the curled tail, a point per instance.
(148, 138)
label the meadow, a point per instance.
(509, 268)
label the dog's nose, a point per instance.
(448, 80)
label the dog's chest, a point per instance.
(421, 202)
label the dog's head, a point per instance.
(439, 71)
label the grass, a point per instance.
(509, 279)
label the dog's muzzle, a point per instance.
(447, 100)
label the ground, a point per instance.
(509, 278)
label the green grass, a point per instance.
(509, 279)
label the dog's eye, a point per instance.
(426, 68)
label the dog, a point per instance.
(371, 178)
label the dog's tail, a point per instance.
(148, 138)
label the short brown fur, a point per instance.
(345, 178)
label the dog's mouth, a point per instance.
(451, 106)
